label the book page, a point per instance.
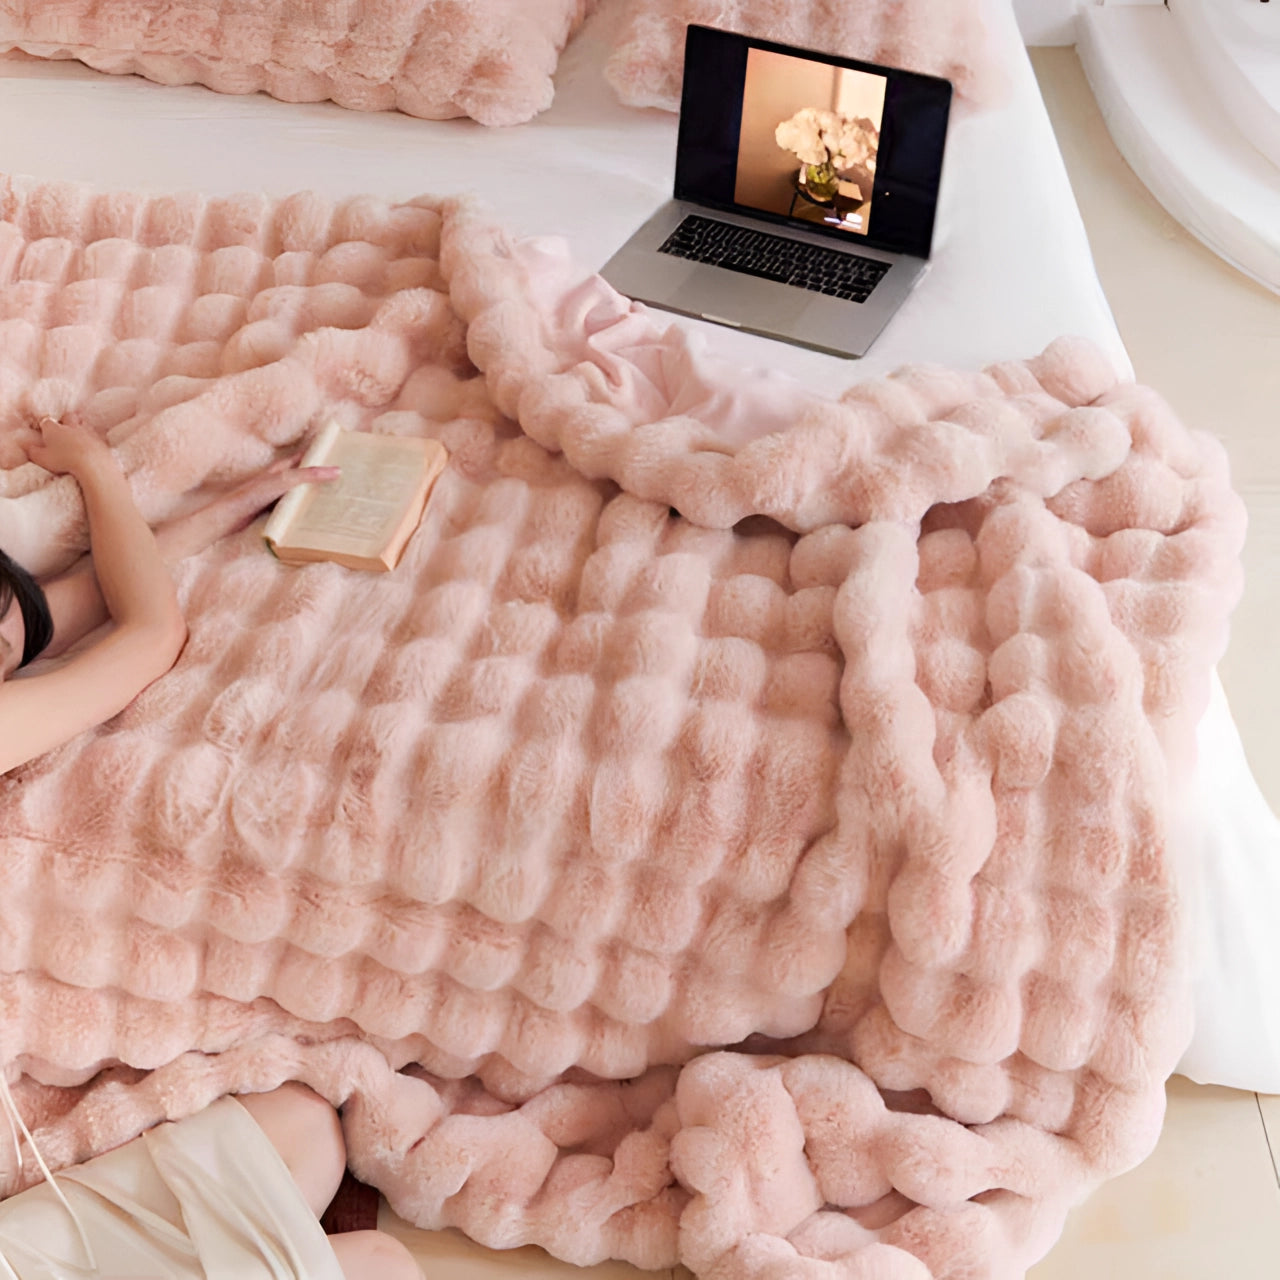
(361, 511)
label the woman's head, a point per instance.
(26, 626)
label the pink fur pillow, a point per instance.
(489, 59)
(948, 38)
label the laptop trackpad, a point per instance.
(743, 299)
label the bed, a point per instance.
(1012, 271)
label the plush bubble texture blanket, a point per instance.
(492, 60)
(743, 832)
(948, 38)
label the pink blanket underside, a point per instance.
(742, 831)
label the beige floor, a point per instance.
(1207, 1204)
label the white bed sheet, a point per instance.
(1012, 270)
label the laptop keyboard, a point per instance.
(757, 253)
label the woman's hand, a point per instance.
(238, 508)
(66, 448)
(232, 511)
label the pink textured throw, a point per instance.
(947, 38)
(743, 831)
(489, 59)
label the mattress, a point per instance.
(1011, 270)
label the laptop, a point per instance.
(805, 194)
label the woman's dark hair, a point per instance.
(17, 584)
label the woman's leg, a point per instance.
(374, 1255)
(307, 1133)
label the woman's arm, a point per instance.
(74, 598)
(45, 710)
(132, 575)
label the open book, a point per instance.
(364, 519)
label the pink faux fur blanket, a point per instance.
(489, 59)
(741, 833)
(948, 38)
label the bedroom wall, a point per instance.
(1053, 21)
(1047, 21)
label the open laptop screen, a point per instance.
(844, 148)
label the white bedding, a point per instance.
(1012, 270)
